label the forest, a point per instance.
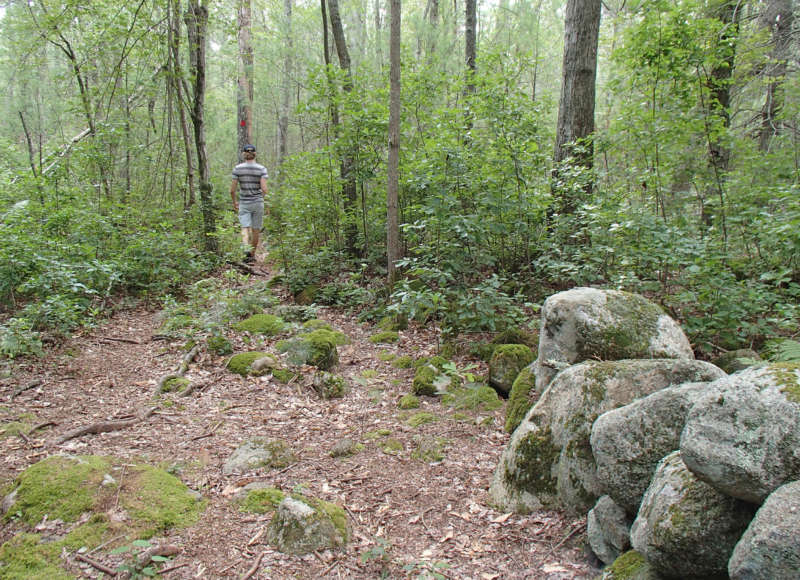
(453, 162)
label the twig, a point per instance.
(254, 567)
(257, 537)
(208, 433)
(31, 385)
(95, 564)
(565, 539)
(117, 339)
(41, 426)
(172, 568)
(104, 427)
(24, 437)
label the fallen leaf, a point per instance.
(503, 518)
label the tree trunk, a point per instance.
(244, 93)
(777, 17)
(576, 104)
(392, 170)
(196, 28)
(286, 89)
(347, 166)
(470, 24)
(176, 78)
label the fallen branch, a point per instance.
(95, 564)
(565, 539)
(254, 568)
(41, 425)
(31, 385)
(104, 427)
(117, 339)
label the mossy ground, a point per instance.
(70, 488)
(385, 337)
(241, 363)
(421, 418)
(408, 402)
(266, 324)
(475, 397)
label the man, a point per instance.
(250, 178)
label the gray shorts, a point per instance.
(251, 214)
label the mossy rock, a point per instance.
(302, 525)
(408, 402)
(330, 386)
(430, 379)
(476, 397)
(79, 491)
(421, 418)
(403, 362)
(261, 500)
(393, 322)
(521, 399)
(242, 363)
(385, 337)
(517, 335)
(630, 566)
(258, 453)
(264, 324)
(317, 348)
(345, 448)
(284, 376)
(307, 295)
(507, 362)
(219, 345)
(175, 385)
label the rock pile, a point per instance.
(694, 469)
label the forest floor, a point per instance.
(409, 518)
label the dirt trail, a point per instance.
(409, 518)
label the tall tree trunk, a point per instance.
(470, 34)
(347, 166)
(177, 80)
(777, 17)
(244, 93)
(196, 28)
(286, 88)
(576, 104)
(393, 165)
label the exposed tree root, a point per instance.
(103, 427)
(184, 366)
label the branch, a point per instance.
(103, 427)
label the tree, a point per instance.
(576, 104)
(196, 28)
(286, 89)
(244, 93)
(392, 170)
(470, 25)
(777, 17)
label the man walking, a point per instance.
(251, 180)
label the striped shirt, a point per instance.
(249, 175)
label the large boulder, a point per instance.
(549, 462)
(743, 437)
(588, 323)
(608, 530)
(770, 547)
(686, 528)
(628, 442)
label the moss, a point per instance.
(317, 324)
(483, 351)
(429, 371)
(261, 501)
(516, 335)
(429, 450)
(626, 566)
(24, 557)
(175, 385)
(317, 348)
(369, 373)
(521, 398)
(13, 428)
(408, 402)
(241, 363)
(307, 295)
(403, 362)
(391, 447)
(266, 324)
(418, 419)
(507, 362)
(330, 386)
(448, 350)
(333, 512)
(161, 501)
(387, 336)
(219, 345)
(788, 376)
(284, 375)
(386, 356)
(627, 336)
(278, 454)
(473, 397)
(378, 434)
(535, 455)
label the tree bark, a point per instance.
(196, 27)
(244, 94)
(470, 33)
(286, 89)
(393, 164)
(777, 17)
(576, 103)
(176, 79)
(347, 165)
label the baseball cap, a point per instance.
(249, 149)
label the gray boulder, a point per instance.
(272, 453)
(608, 530)
(744, 437)
(685, 528)
(302, 526)
(588, 323)
(770, 547)
(627, 443)
(549, 461)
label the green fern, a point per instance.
(784, 350)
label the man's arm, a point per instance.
(264, 191)
(234, 187)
